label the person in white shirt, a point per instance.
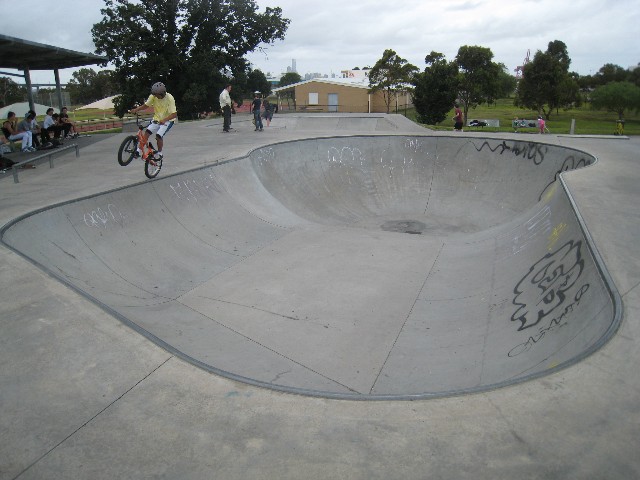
(49, 125)
(227, 107)
(29, 124)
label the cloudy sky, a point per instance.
(328, 36)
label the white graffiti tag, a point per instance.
(193, 188)
(100, 218)
(265, 155)
(350, 156)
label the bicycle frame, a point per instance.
(146, 147)
(129, 150)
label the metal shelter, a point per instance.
(25, 55)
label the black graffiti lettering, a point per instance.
(502, 147)
(581, 292)
(530, 151)
(554, 324)
(544, 288)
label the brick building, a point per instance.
(337, 95)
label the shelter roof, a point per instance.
(20, 54)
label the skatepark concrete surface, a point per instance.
(231, 318)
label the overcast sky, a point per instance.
(328, 36)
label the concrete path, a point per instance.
(84, 396)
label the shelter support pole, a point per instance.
(56, 72)
(27, 81)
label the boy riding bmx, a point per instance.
(164, 114)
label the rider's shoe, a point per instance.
(158, 156)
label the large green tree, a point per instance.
(289, 78)
(546, 83)
(478, 77)
(257, 82)
(435, 89)
(11, 92)
(392, 75)
(507, 83)
(616, 97)
(634, 75)
(611, 73)
(193, 46)
(87, 85)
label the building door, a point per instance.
(332, 102)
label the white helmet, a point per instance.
(158, 88)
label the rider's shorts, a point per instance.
(160, 130)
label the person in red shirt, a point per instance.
(541, 123)
(457, 118)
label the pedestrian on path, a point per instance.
(255, 108)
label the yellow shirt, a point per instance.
(162, 107)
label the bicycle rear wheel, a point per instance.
(152, 171)
(127, 150)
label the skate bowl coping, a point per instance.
(354, 267)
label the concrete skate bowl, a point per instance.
(365, 267)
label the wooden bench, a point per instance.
(486, 122)
(522, 123)
(48, 155)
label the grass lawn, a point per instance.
(588, 120)
(103, 119)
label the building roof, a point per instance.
(345, 82)
(24, 54)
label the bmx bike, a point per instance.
(129, 150)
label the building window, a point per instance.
(313, 99)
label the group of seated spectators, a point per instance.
(34, 137)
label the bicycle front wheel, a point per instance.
(150, 170)
(127, 150)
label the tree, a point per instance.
(11, 92)
(569, 92)
(87, 86)
(392, 75)
(435, 89)
(477, 77)
(616, 97)
(195, 47)
(257, 82)
(507, 83)
(634, 75)
(611, 73)
(289, 78)
(546, 83)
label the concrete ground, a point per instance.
(84, 396)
